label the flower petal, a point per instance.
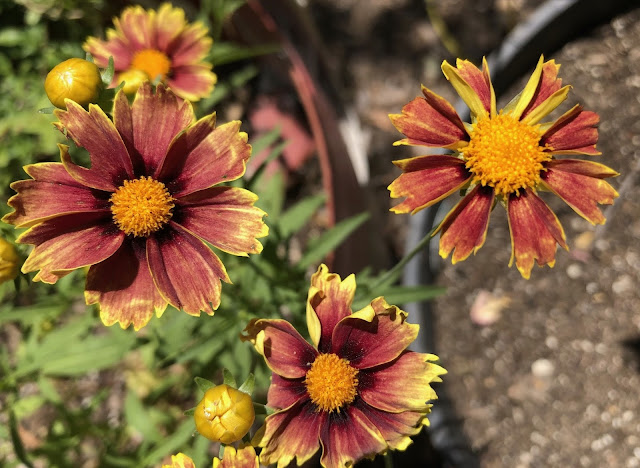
(579, 184)
(349, 436)
(244, 457)
(292, 433)
(426, 180)
(185, 270)
(465, 226)
(71, 241)
(169, 25)
(402, 384)
(329, 301)
(123, 287)
(52, 192)
(110, 161)
(180, 461)
(535, 230)
(137, 27)
(575, 132)
(155, 119)
(192, 82)
(284, 350)
(473, 86)
(190, 46)
(224, 217)
(115, 46)
(380, 339)
(396, 428)
(201, 157)
(285, 392)
(430, 121)
(547, 96)
(529, 91)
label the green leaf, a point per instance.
(107, 74)
(170, 444)
(204, 384)
(226, 52)
(292, 220)
(47, 110)
(229, 379)
(402, 295)
(138, 417)
(275, 153)
(265, 140)
(248, 384)
(328, 241)
(190, 411)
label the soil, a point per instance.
(543, 372)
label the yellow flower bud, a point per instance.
(76, 79)
(9, 261)
(224, 414)
(132, 80)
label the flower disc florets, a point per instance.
(331, 382)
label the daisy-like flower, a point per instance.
(357, 391)
(505, 156)
(146, 45)
(244, 457)
(140, 214)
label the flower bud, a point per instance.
(9, 261)
(224, 414)
(132, 80)
(76, 79)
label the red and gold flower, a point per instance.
(146, 45)
(504, 156)
(357, 391)
(140, 214)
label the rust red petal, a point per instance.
(580, 184)
(123, 287)
(535, 231)
(137, 27)
(192, 82)
(185, 270)
(71, 241)
(371, 343)
(430, 121)
(329, 301)
(201, 157)
(411, 372)
(110, 161)
(575, 132)
(549, 83)
(114, 47)
(465, 227)
(284, 350)
(396, 428)
(479, 82)
(349, 436)
(224, 217)
(285, 392)
(291, 434)
(190, 46)
(426, 180)
(169, 25)
(52, 192)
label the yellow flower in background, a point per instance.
(224, 414)
(244, 457)
(9, 261)
(506, 156)
(75, 79)
(180, 461)
(151, 45)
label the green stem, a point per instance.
(390, 276)
(388, 460)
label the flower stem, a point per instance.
(388, 460)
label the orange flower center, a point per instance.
(153, 62)
(505, 154)
(141, 206)
(331, 382)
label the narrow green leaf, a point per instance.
(402, 295)
(328, 241)
(190, 411)
(138, 417)
(276, 152)
(170, 444)
(266, 140)
(292, 220)
(225, 52)
(248, 385)
(107, 74)
(47, 110)
(229, 379)
(204, 384)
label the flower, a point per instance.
(358, 391)
(162, 44)
(140, 214)
(244, 457)
(225, 414)
(75, 79)
(9, 261)
(504, 156)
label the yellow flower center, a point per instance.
(152, 62)
(141, 206)
(331, 382)
(505, 154)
